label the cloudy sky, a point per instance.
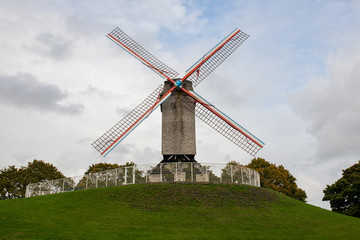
(294, 83)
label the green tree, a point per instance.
(277, 178)
(231, 168)
(98, 177)
(9, 183)
(39, 170)
(344, 194)
(13, 181)
(139, 178)
(99, 167)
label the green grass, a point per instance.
(171, 211)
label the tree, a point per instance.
(100, 176)
(13, 181)
(99, 167)
(9, 183)
(229, 173)
(344, 194)
(277, 178)
(39, 170)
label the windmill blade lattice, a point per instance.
(116, 133)
(226, 130)
(203, 110)
(204, 66)
(225, 125)
(132, 47)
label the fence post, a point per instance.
(96, 185)
(160, 172)
(27, 191)
(242, 176)
(115, 183)
(176, 169)
(255, 178)
(125, 176)
(231, 173)
(192, 177)
(206, 169)
(252, 177)
(106, 177)
(146, 173)
(220, 172)
(63, 185)
(87, 176)
(134, 174)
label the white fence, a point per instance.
(162, 172)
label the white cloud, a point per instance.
(24, 91)
(53, 46)
(331, 104)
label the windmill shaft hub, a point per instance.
(178, 83)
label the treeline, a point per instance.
(13, 181)
(344, 194)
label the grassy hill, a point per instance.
(171, 211)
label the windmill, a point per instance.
(179, 103)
